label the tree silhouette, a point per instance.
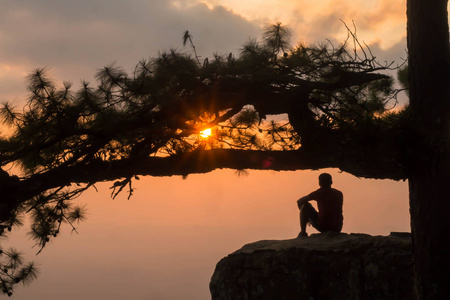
(148, 123)
(13, 270)
(334, 103)
(429, 168)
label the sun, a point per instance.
(205, 133)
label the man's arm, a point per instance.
(303, 200)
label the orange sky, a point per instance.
(378, 21)
(165, 241)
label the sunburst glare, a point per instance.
(206, 133)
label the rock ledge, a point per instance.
(323, 266)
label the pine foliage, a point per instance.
(160, 108)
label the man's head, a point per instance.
(325, 180)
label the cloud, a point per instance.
(382, 20)
(75, 38)
(12, 81)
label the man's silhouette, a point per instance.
(329, 203)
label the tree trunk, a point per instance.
(429, 170)
(430, 212)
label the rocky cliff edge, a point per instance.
(323, 266)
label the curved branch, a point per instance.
(204, 161)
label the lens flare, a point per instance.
(205, 133)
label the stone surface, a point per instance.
(323, 266)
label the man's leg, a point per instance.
(307, 215)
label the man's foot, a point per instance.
(302, 234)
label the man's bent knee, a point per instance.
(307, 207)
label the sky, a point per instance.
(165, 241)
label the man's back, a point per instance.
(329, 203)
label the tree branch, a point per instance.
(204, 161)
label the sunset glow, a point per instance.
(378, 22)
(206, 133)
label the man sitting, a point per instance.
(329, 203)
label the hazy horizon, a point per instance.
(165, 241)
